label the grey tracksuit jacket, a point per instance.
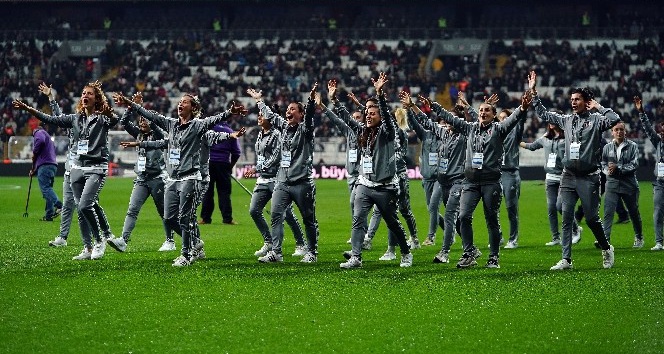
(268, 146)
(551, 146)
(340, 119)
(298, 140)
(154, 158)
(624, 179)
(430, 144)
(586, 129)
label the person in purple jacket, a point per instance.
(44, 165)
(223, 157)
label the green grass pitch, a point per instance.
(136, 302)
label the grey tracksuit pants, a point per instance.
(511, 181)
(139, 194)
(658, 213)
(433, 206)
(404, 209)
(611, 200)
(554, 203)
(586, 188)
(86, 186)
(491, 195)
(385, 199)
(303, 194)
(261, 195)
(180, 202)
(451, 197)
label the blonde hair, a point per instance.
(402, 121)
(101, 103)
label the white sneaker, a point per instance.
(167, 246)
(608, 257)
(181, 261)
(300, 250)
(388, 256)
(199, 245)
(638, 243)
(555, 242)
(117, 244)
(271, 257)
(442, 257)
(476, 253)
(264, 250)
(309, 258)
(366, 244)
(561, 265)
(406, 260)
(85, 254)
(414, 243)
(58, 242)
(197, 254)
(352, 262)
(511, 245)
(658, 247)
(576, 237)
(98, 250)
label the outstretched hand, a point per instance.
(238, 109)
(354, 99)
(425, 101)
(46, 90)
(127, 144)
(532, 80)
(318, 99)
(638, 104)
(255, 94)
(20, 105)
(461, 100)
(312, 93)
(120, 99)
(526, 100)
(378, 84)
(593, 104)
(491, 100)
(239, 133)
(405, 99)
(250, 173)
(331, 89)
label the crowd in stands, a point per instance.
(285, 70)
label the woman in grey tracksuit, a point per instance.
(580, 179)
(89, 125)
(268, 153)
(68, 204)
(295, 182)
(340, 119)
(424, 128)
(484, 152)
(450, 160)
(185, 137)
(553, 143)
(657, 139)
(150, 179)
(378, 182)
(620, 159)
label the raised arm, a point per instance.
(457, 123)
(647, 125)
(542, 112)
(519, 115)
(62, 120)
(408, 104)
(609, 117)
(48, 92)
(152, 116)
(386, 115)
(535, 145)
(310, 111)
(236, 109)
(277, 121)
(211, 137)
(343, 127)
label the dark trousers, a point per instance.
(220, 175)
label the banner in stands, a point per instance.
(329, 171)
